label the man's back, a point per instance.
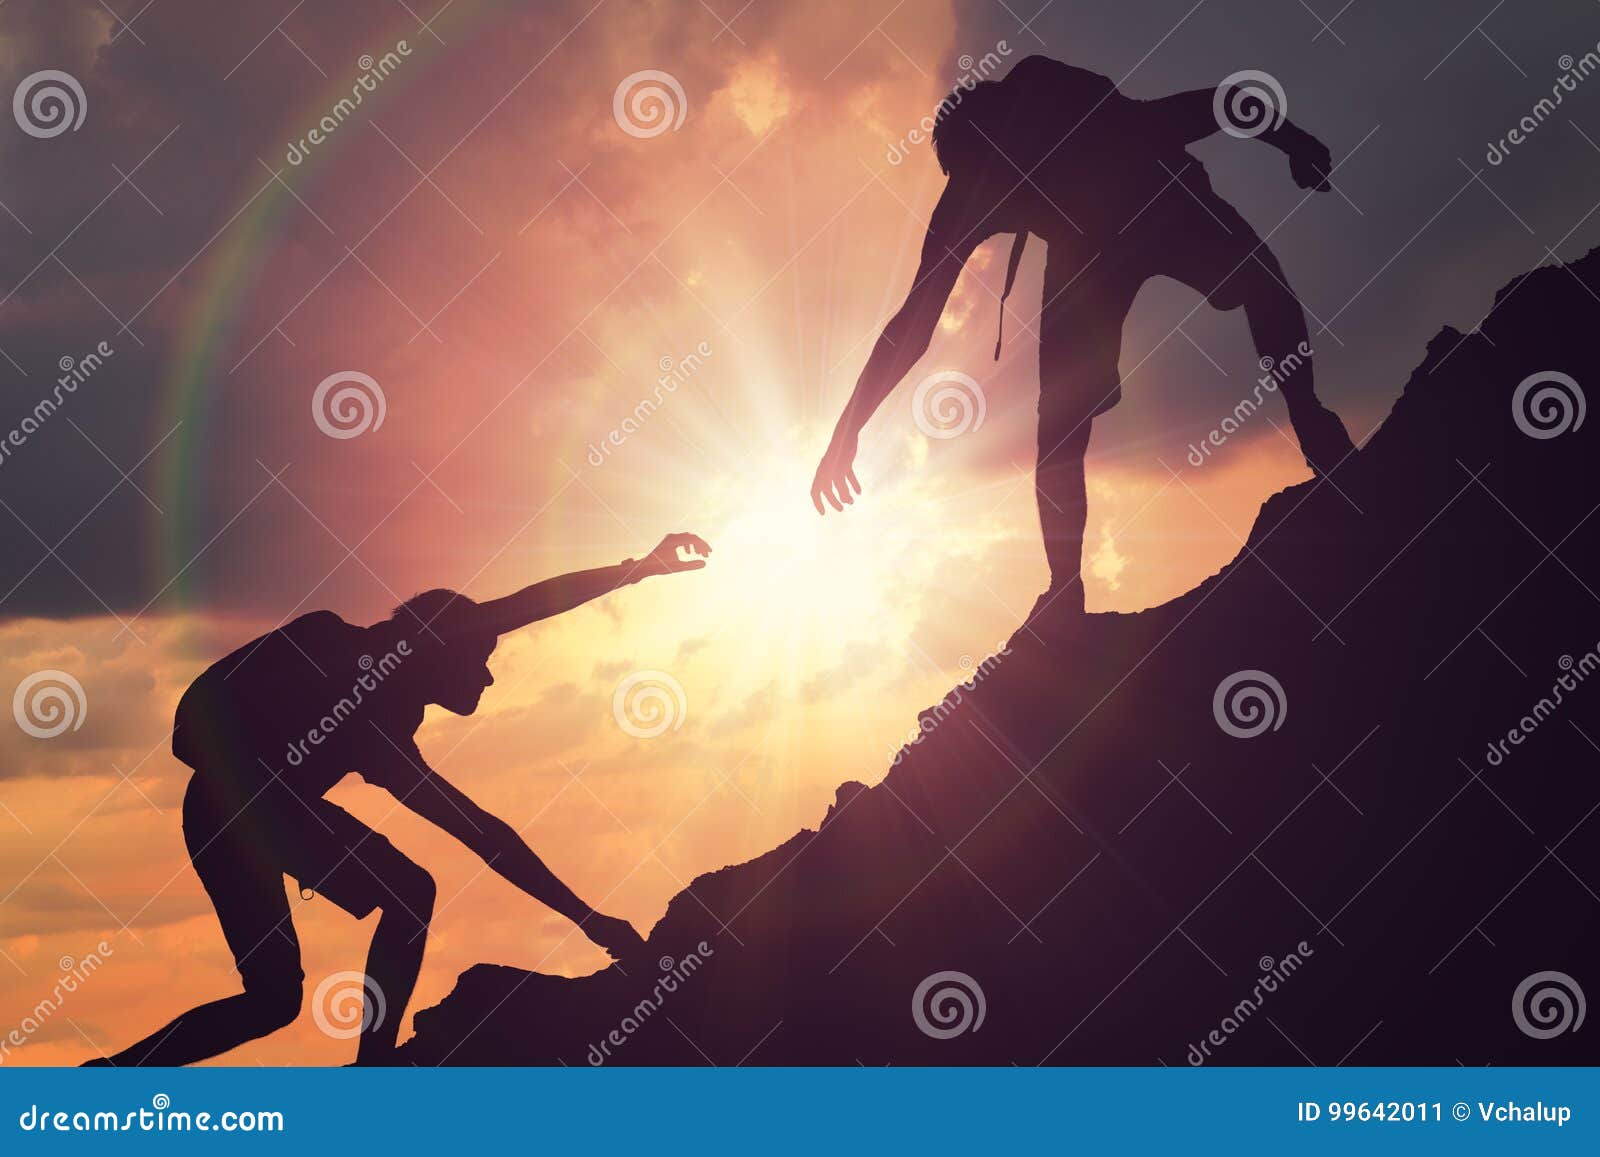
(295, 706)
(1060, 152)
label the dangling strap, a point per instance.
(1011, 278)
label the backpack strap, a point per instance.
(1011, 278)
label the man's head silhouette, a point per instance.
(450, 648)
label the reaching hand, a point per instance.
(667, 559)
(615, 936)
(836, 475)
(1310, 163)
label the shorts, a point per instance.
(242, 855)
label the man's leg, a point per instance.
(369, 872)
(249, 898)
(395, 959)
(1215, 251)
(1062, 495)
(1080, 340)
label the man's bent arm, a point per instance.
(1187, 117)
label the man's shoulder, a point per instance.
(320, 625)
(1046, 71)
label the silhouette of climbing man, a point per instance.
(272, 727)
(1108, 183)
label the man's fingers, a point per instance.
(827, 492)
(851, 475)
(816, 498)
(700, 545)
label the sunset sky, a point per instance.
(516, 271)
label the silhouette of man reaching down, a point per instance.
(272, 727)
(1108, 183)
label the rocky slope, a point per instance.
(1127, 882)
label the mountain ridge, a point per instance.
(1099, 855)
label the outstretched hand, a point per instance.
(617, 937)
(1310, 163)
(678, 552)
(836, 475)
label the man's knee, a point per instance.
(414, 890)
(275, 998)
